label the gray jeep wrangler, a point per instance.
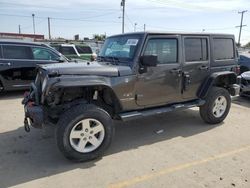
(136, 75)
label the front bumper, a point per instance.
(34, 115)
(33, 112)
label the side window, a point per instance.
(84, 49)
(223, 49)
(16, 52)
(43, 54)
(164, 49)
(196, 49)
(68, 50)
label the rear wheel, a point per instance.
(217, 106)
(84, 132)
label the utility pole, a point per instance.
(123, 14)
(19, 29)
(241, 24)
(34, 29)
(49, 28)
(135, 27)
(144, 27)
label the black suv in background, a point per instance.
(18, 62)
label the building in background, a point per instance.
(22, 36)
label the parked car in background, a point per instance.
(18, 62)
(73, 51)
(244, 61)
(245, 84)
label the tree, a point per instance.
(100, 37)
(247, 45)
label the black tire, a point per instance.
(206, 110)
(67, 122)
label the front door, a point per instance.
(15, 62)
(19, 63)
(161, 84)
(196, 65)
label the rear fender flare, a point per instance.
(220, 79)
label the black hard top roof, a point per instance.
(176, 33)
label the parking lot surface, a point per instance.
(172, 150)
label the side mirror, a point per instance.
(149, 60)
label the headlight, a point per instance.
(44, 83)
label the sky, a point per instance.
(70, 17)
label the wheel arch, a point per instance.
(219, 79)
(99, 94)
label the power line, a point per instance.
(53, 7)
(132, 23)
(60, 18)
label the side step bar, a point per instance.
(127, 116)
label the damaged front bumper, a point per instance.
(33, 112)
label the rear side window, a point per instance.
(43, 54)
(16, 52)
(223, 49)
(196, 49)
(67, 50)
(165, 50)
(84, 49)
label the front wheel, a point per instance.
(217, 106)
(84, 132)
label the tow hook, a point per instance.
(26, 125)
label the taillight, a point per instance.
(236, 69)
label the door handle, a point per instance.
(203, 67)
(175, 71)
(5, 64)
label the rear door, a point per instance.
(161, 84)
(195, 66)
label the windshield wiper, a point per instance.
(113, 60)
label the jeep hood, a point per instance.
(87, 68)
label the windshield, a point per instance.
(121, 47)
